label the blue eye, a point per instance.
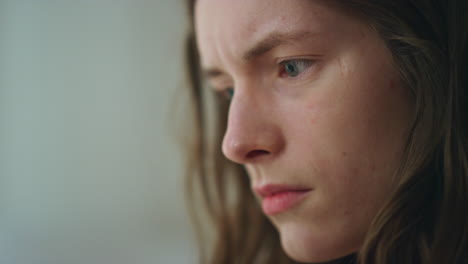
(292, 68)
(227, 93)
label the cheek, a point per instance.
(350, 134)
(361, 115)
(313, 110)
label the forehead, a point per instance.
(227, 27)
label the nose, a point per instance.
(253, 132)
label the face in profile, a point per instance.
(317, 115)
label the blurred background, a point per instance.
(89, 169)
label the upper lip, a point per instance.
(271, 189)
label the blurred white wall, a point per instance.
(89, 173)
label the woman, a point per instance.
(340, 135)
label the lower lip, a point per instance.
(280, 202)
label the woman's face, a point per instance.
(318, 116)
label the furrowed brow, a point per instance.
(273, 40)
(269, 42)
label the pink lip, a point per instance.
(280, 198)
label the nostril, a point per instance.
(255, 153)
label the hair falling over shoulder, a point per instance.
(426, 219)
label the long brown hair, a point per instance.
(426, 218)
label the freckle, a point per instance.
(345, 154)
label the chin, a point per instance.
(307, 246)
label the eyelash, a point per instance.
(228, 92)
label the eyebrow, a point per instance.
(269, 42)
(273, 40)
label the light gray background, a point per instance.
(89, 171)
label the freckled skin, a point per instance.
(338, 128)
